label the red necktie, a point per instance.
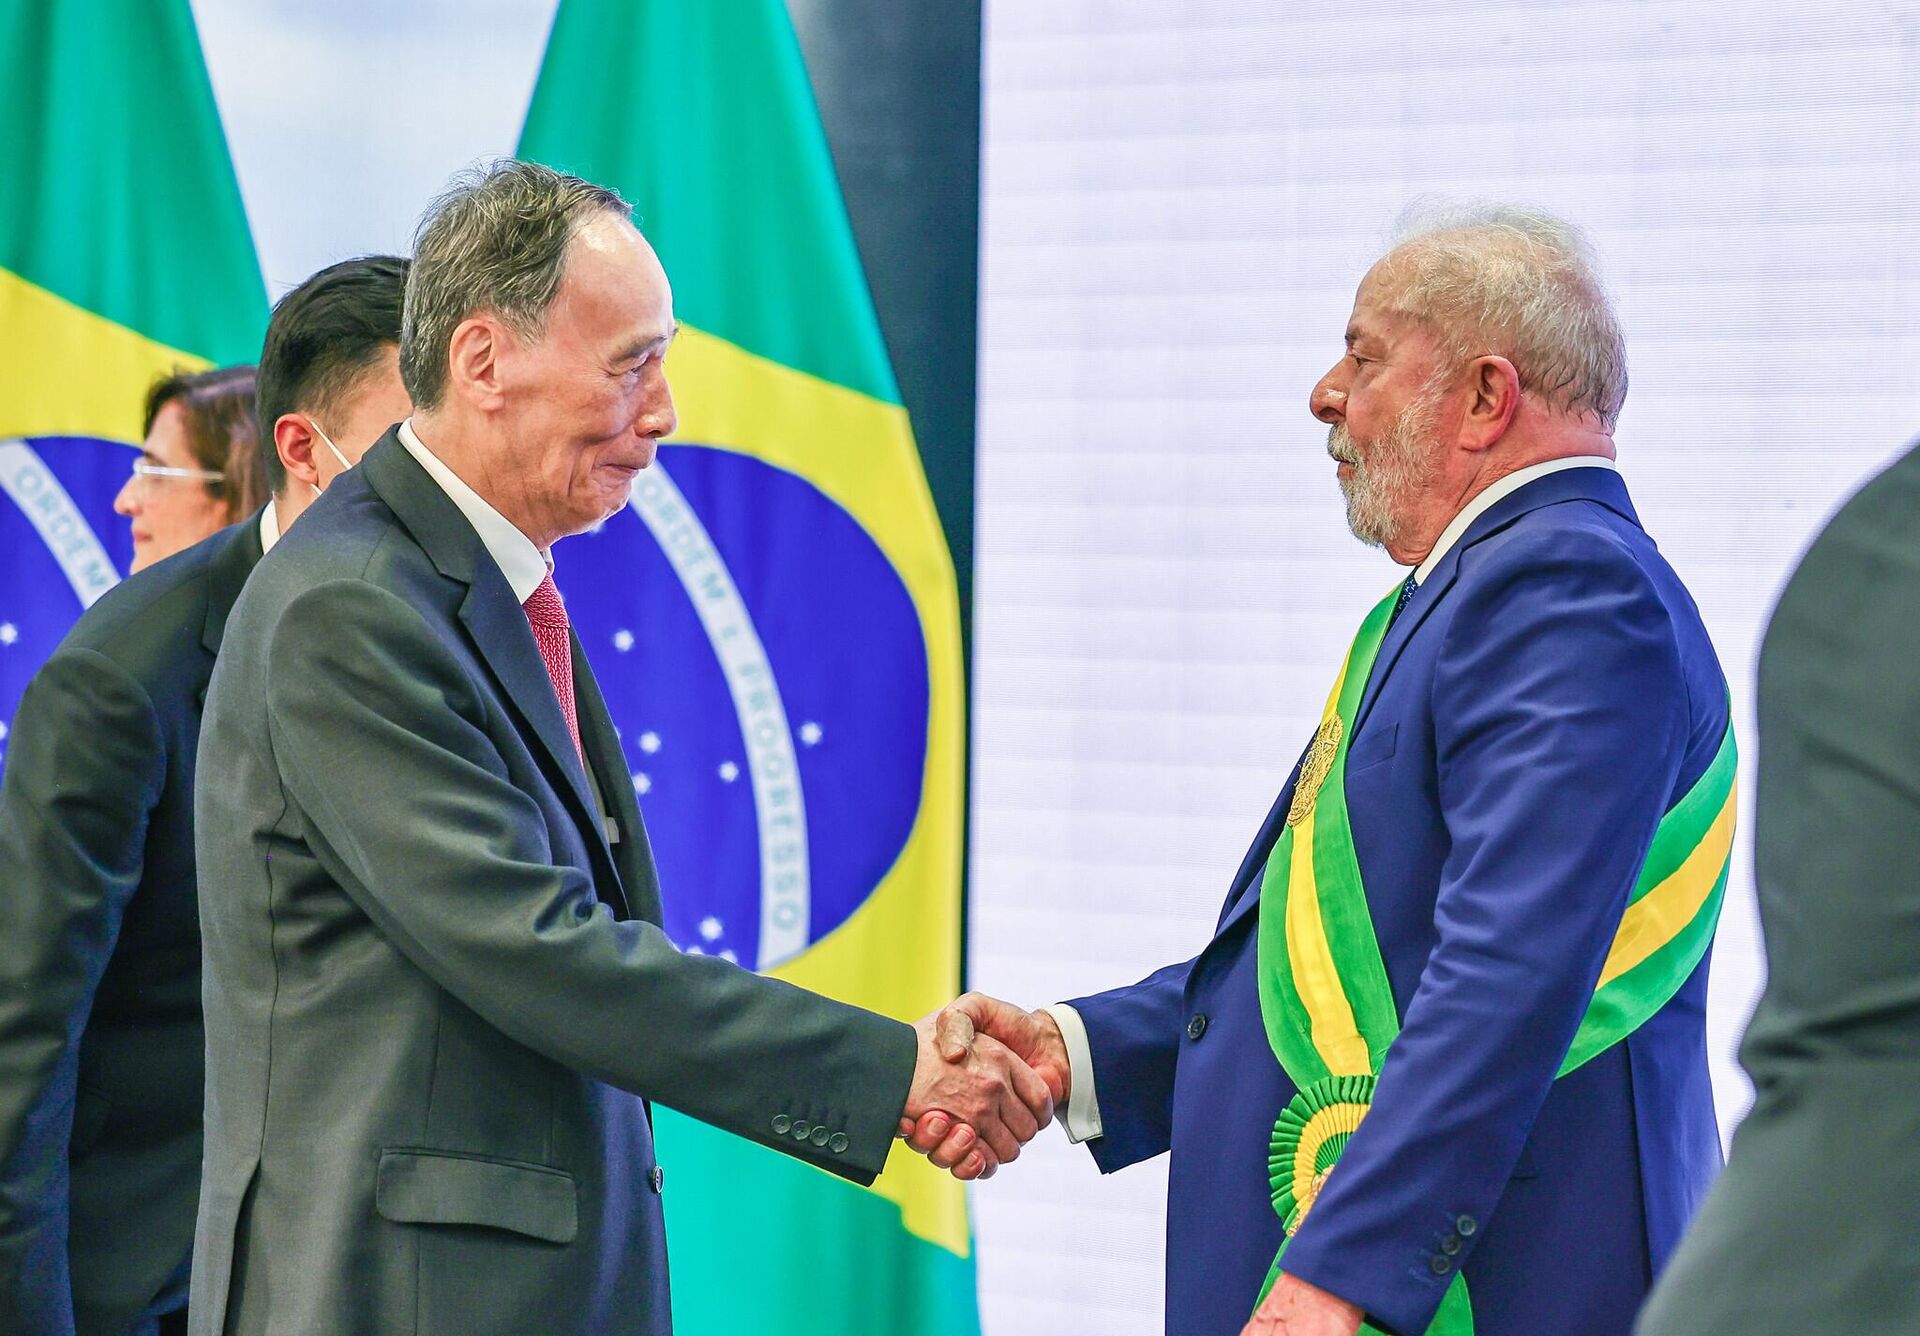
(547, 615)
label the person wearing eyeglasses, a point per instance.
(102, 1064)
(196, 472)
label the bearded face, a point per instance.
(1383, 476)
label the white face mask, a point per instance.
(345, 463)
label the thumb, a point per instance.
(953, 1034)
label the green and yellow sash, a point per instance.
(1329, 1011)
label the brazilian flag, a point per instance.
(775, 623)
(124, 255)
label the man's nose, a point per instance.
(123, 502)
(1328, 402)
(658, 418)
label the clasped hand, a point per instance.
(988, 1077)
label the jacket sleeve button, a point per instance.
(838, 1143)
(781, 1123)
(1439, 1264)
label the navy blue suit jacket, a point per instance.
(1543, 700)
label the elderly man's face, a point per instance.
(1382, 402)
(589, 398)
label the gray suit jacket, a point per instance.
(100, 1042)
(1813, 1226)
(434, 993)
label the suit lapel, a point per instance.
(1576, 484)
(639, 888)
(1604, 486)
(494, 621)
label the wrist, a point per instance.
(1051, 1046)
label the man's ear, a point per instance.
(294, 440)
(473, 360)
(1493, 397)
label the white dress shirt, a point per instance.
(524, 565)
(269, 528)
(1082, 1120)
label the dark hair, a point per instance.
(218, 409)
(496, 241)
(323, 337)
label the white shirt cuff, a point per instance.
(1083, 1101)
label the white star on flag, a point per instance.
(641, 783)
(8, 633)
(623, 640)
(730, 958)
(649, 742)
(3, 731)
(710, 928)
(729, 772)
(810, 733)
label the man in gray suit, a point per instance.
(436, 988)
(1812, 1226)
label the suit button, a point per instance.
(781, 1123)
(820, 1135)
(658, 1179)
(1197, 1026)
(838, 1143)
(802, 1129)
(1466, 1224)
(1439, 1265)
(1450, 1245)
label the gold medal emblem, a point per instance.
(1313, 770)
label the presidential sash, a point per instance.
(1329, 1012)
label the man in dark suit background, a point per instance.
(1543, 698)
(437, 989)
(101, 1066)
(1812, 1227)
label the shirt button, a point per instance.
(1439, 1265)
(1197, 1026)
(658, 1179)
(1466, 1224)
(781, 1123)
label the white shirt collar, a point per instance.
(269, 528)
(524, 565)
(1485, 501)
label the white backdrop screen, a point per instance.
(1178, 199)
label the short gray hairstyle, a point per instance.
(496, 241)
(1499, 278)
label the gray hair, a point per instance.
(1497, 278)
(496, 241)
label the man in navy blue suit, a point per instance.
(1442, 1066)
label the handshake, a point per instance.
(986, 1081)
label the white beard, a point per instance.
(1401, 464)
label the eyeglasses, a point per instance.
(143, 469)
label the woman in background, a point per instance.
(198, 469)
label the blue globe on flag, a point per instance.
(765, 666)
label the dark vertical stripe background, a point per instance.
(899, 93)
